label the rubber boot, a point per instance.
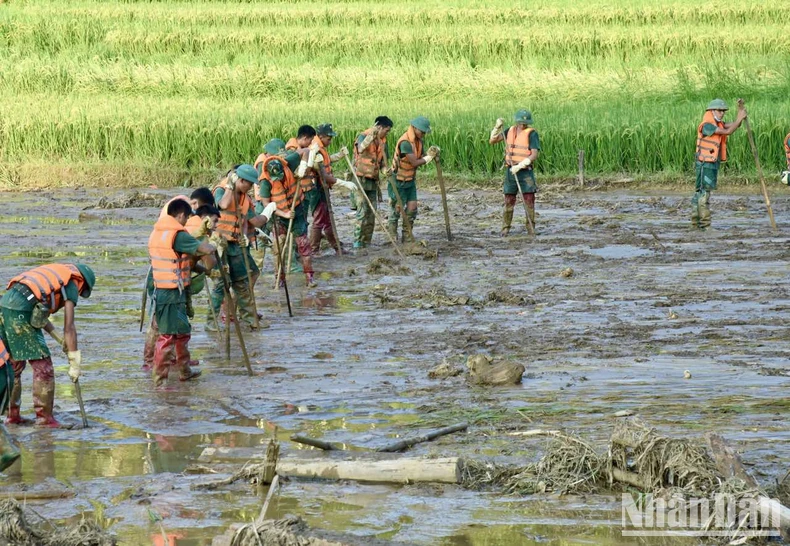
(164, 356)
(150, 345)
(14, 417)
(408, 232)
(392, 223)
(704, 210)
(695, 210)
(531, 221)
(9, 452)
(185, 373)
(315, 239)
(507, 221)
(44, 392)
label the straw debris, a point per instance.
(15, 529)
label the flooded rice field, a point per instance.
(646, 299)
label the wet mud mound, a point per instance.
(129, 200)
(386, 266)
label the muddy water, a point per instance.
(648, 299)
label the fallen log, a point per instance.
(312, 442)
(35, 495)
(404, 444)
(402, 470)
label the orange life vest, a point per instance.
(292, 144)
(4, 356)
(261, 158)
(368, 163)
(312, 174)
(193, 223)
(284, 191)
(163, 212)
(517, 145)
(787, 150)
(401, 165)
(711, 149)
(171, 269)
(47, 283)
(228, 224)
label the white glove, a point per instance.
(205, 227)
(786, 178)
(344, 151)
(318, 160)
(244, 242)
(311, 157)
(434, 150)
(269, 210)
(314, 147)
(301, 169)
(368, 140)
(521, 166)
(75, 360)
(231, 181)
(428, 158)
(497, 127)
(346, 184)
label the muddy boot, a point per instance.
(185, 372)
(9, 452)
(150, 345)
(704, 210)
(164, 356)
(695, 210)
(315, 239)
(530, 220)
(507, 221)
(392, 223)
(44, 392)
(408, 231)
(14, 417)
(309, 280)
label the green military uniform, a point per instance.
(526, 177)
(707, 175)
(234, 257)
(171, 303)
(365, 217)
(27, 342)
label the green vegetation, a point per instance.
(179, 86)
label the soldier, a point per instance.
(370, 158)
(407, 157)
(712, 136)
(522, 148)
(30, 299)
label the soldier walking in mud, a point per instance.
(171, 249)
(236, 217)
(407, 157)
(711, 151)
(279, 185)
(321, 177)
(370, 159)
(30, 299)
(522, 148)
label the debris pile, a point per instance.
(15, 529)
(128, 200)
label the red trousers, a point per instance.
(43, 391)
(529, 199)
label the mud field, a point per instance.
(647, 299)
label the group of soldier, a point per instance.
(207, 238)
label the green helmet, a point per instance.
(275, 170)
(523, 116)
(248, 173)
(196, 283)
(421, 123)
(274, 146)
(90, 279)
(325, 129)
(293, 159)
(717, 104)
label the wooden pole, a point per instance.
(759, 168)
(523, 202)
(239, 225)
(282, 266)
(375, 210)
(77, 388)
(406, 443)
(440, 177)
(312, 442)
(289, 236)
(230, 307)
(581, 168)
